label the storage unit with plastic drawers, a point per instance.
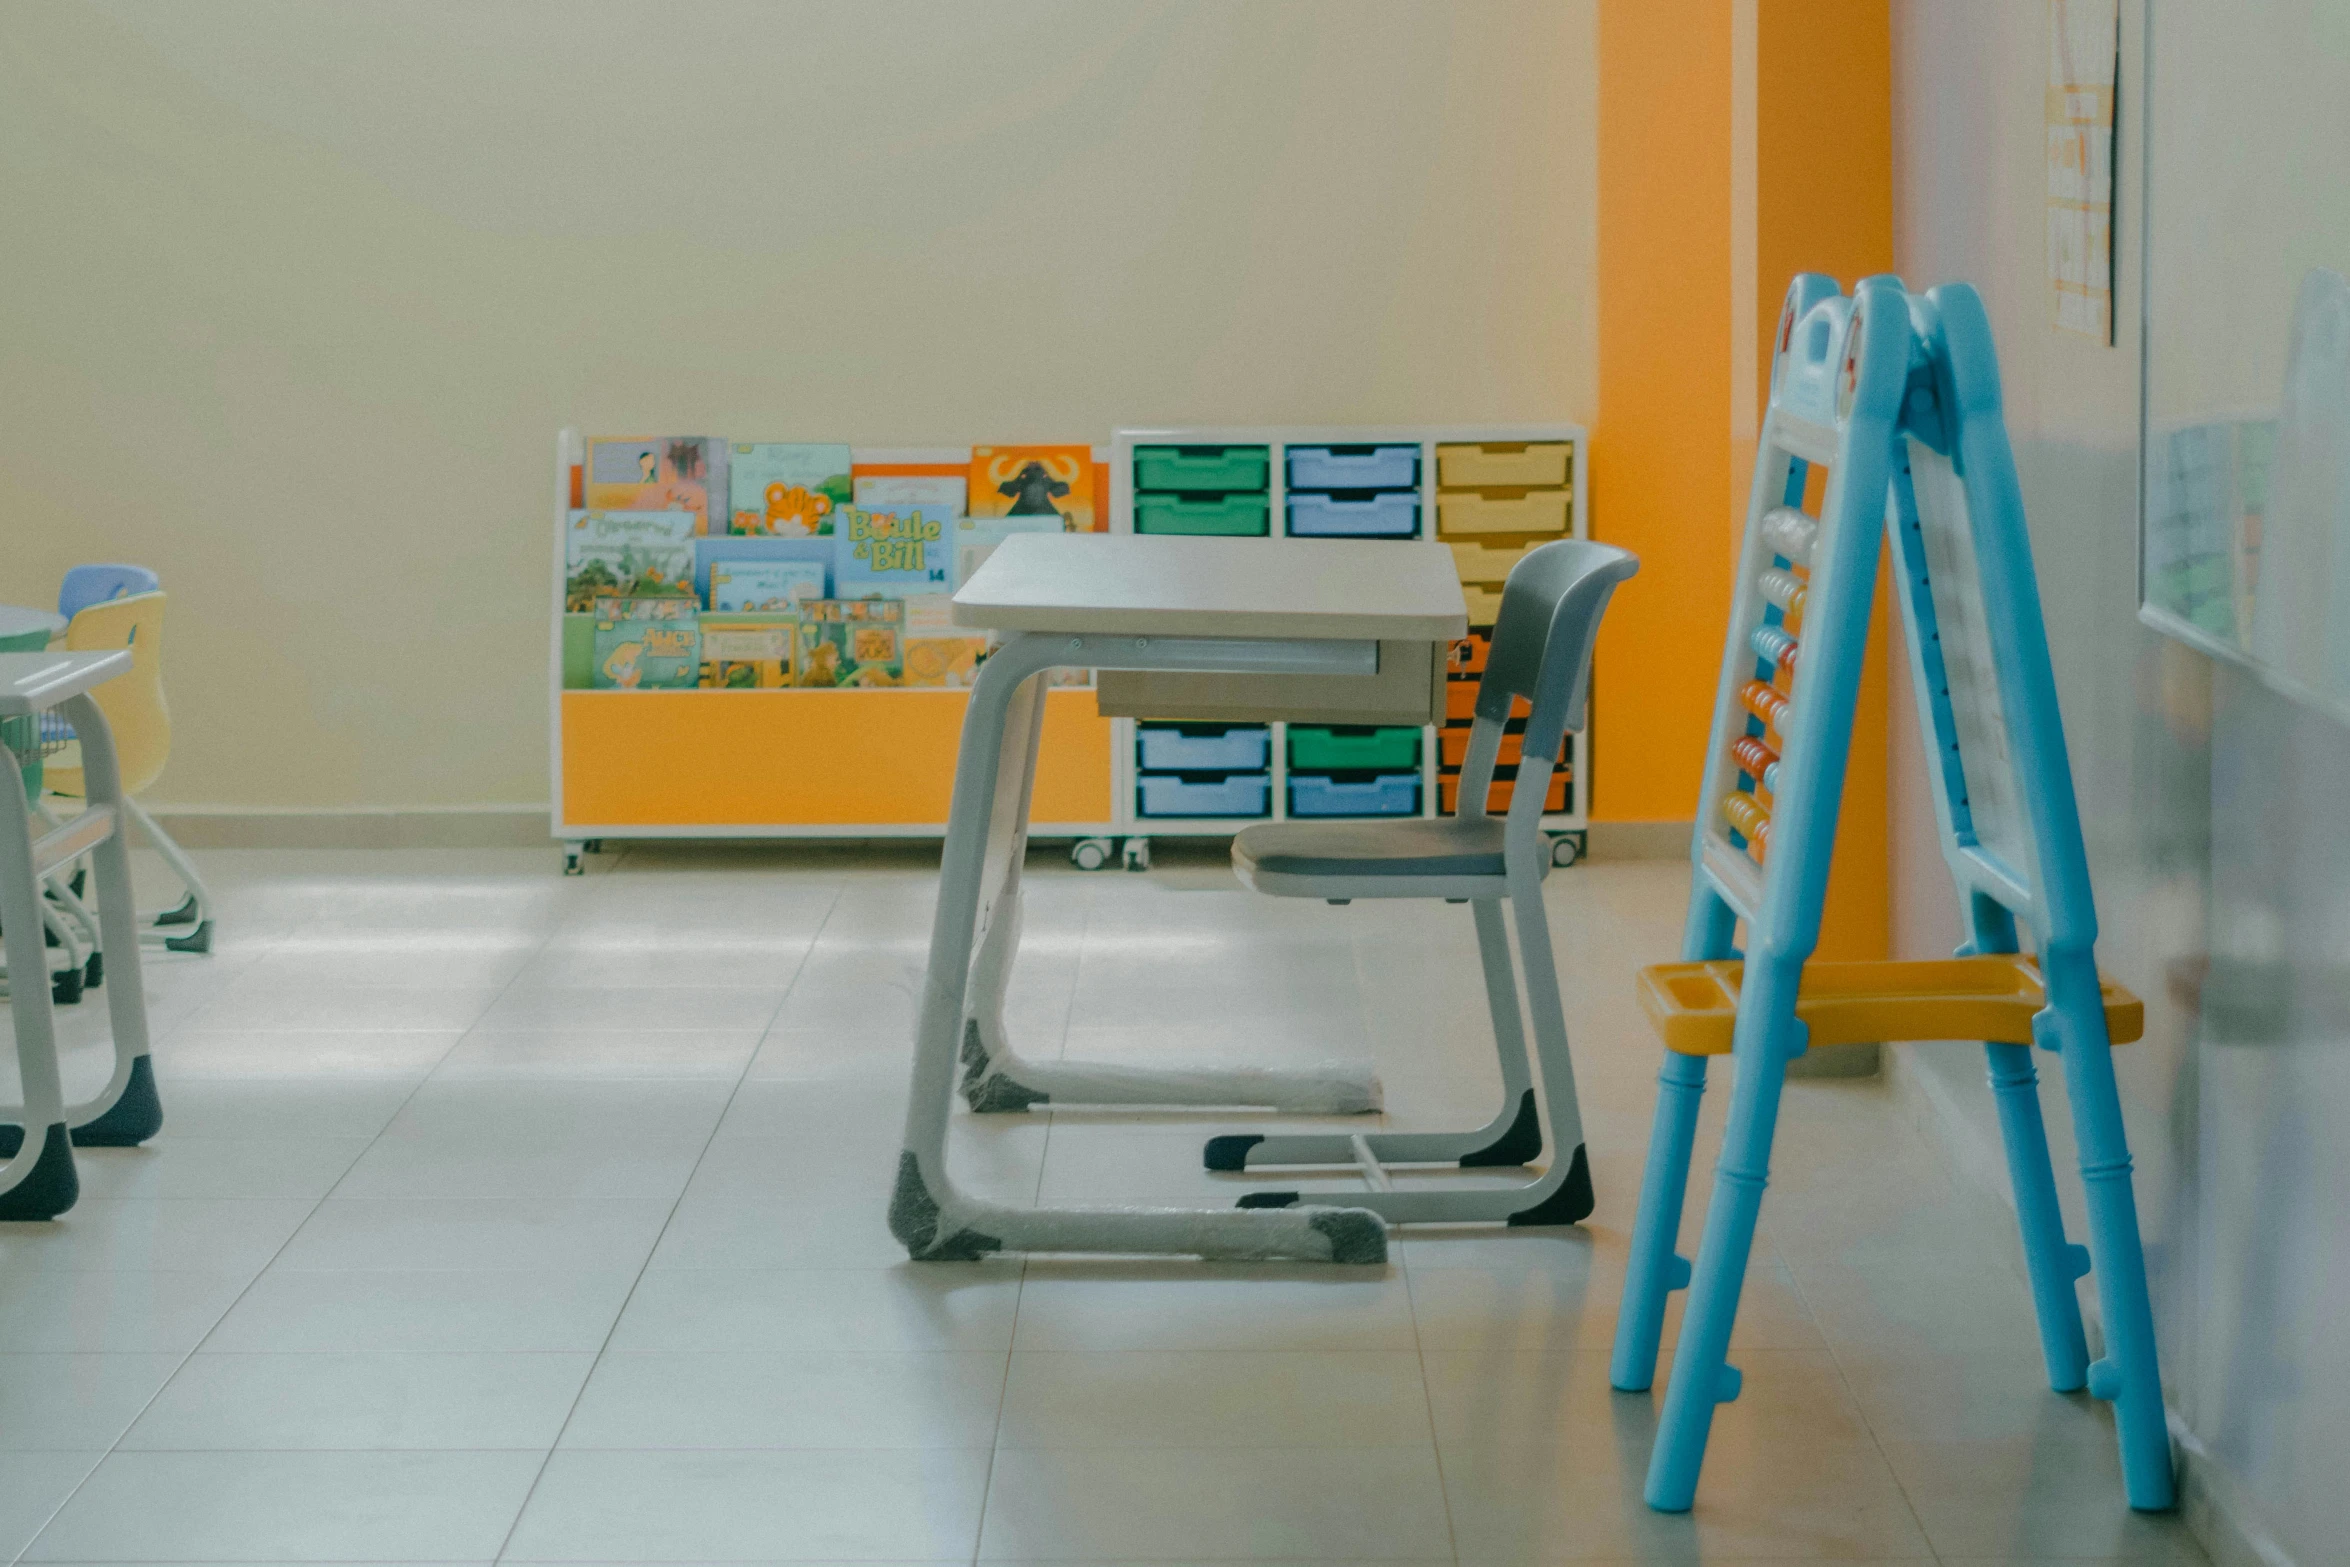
(1490, 492)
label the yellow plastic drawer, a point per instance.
(1694, 1006)
(1509, 464)
(1484, 603)
(1487, 562)
(1525, 511)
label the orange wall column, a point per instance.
(1659, 470)
(1739, 143)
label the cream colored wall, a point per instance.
(298, 294)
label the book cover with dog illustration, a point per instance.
(787, 488)
(658, 473)
(1034, 481)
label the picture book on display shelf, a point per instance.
(852, 642)
(889, 554)
(657, 473)
(787, 488)
(1035, 481)
(626, 554)
(752, 650)
(647, 644)
(764, 584)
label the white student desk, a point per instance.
(39, 1182)
(1127, 601)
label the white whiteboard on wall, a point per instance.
(2245, 520)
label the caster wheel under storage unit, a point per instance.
(1566, 848)
(1090, 854)
(571, 854)
(1137, 854)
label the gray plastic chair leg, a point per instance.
(1513, 1136)
(195, 910)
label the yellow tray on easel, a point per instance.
(1695, 1005)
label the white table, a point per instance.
(39, 1181)
(16, 620)
(1124, 601)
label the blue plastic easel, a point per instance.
(1898, 395)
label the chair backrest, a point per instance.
(1542, 639)
(133, 703)
(95, 584)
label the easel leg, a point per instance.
(1655, 1269)
(2128, 1375)
(2050, 1262)
(1702, 1373)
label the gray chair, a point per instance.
(1542, 640)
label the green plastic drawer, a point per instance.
(1219, 514)
(1348, 747)
(1223, 469)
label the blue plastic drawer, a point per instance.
(1355, 514)
(1383, 794)
(1203, 748)
(1354, 467)
(1203, 794)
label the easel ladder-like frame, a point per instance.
(1899, 395)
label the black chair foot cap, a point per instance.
(1521, 1144)
(1570, 1204)
(1229, 1152)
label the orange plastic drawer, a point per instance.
(1448, 794)
(1452, 747)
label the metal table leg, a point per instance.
(128, 1110)
(997, 1077)
(928, 1213)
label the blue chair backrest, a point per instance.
(87, 585)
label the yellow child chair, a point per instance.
(141, 721)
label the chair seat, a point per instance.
(1449, 847)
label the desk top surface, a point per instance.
(18, 620)
(1109, 584)
(30, 682)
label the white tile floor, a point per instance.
(502, 1217)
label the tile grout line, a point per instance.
(1020, 1283)
(1876, 1444)
(317, 1203)
(604, 1348)
(1428, 1403)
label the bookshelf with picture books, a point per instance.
(753, 639)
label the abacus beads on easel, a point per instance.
(1790, 535)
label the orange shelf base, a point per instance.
(833, 759)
